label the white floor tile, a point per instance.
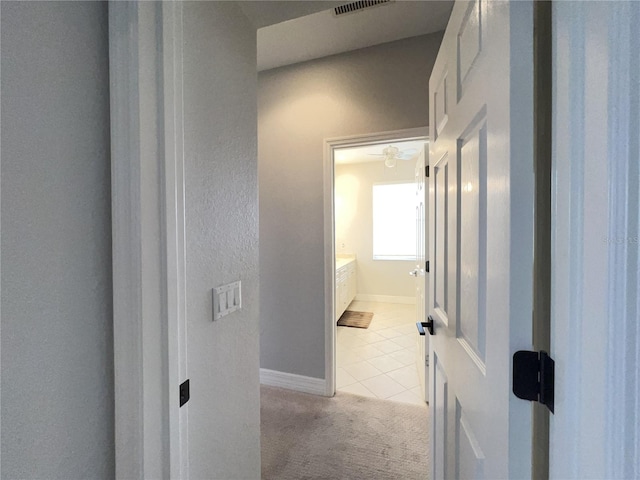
(351, 342)
(404, 357)
(417, 390)
(381, 325)
(359, 389)
(406, 341)
(411, 350)
(389, 333)
(344, 378)
(368, 351)
(383, 386)
(362, 370)
(406, 376)
(367, 360)
(347, 358)
(387, 346)
(347, 332)
(406, 329)
(370, 337)
(385, 363)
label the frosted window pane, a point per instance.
(394, 221)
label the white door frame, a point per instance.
(595, 297)
(145, 63)
(330, 145)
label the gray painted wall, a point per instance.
(57, 338)
(370, 90)
(220, 84)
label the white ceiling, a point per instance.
(269, 12)
(373, 153)
(321, 34)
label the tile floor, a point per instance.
(380, 361)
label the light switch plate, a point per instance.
(226, 299)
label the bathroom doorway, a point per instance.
(373, 243)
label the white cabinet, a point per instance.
(346, 285)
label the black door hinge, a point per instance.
(426, 171)
(533, 377)
(426, 266)
(184, 392)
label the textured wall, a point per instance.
(57, 338)
(354, 226)
(371, 90)
(220, 84)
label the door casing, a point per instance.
(595, 277)
(331, 144)
(145, 64)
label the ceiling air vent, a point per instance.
(357, 6)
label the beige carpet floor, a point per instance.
(346, 437)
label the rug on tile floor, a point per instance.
(352, 318)
(344, 437)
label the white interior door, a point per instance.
(481, 239)
(420, 272)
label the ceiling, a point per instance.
(292, 32)
(372, 153)
(270, 12)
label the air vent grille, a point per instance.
(357, 6)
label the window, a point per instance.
(394, 221)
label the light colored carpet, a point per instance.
(308, 437)
(351, 318)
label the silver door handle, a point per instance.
(414, 273)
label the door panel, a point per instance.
(439, 243)
(473, 220)
(422, 342)
(440, 105)
(469, 456)
(439, 415)
(481, 239)
(469, 43)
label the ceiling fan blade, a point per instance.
(407, 155)
(409, 151)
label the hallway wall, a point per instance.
(220, 85)
(376, 89)
(57, 335)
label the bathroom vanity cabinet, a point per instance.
(345, 283)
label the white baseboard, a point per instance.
(291, 381)
(385, 298)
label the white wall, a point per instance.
(354, 226)
(220, 84)
(57, 335)
(376, 89)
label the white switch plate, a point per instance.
(226, 299)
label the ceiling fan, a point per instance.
(391, 154)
